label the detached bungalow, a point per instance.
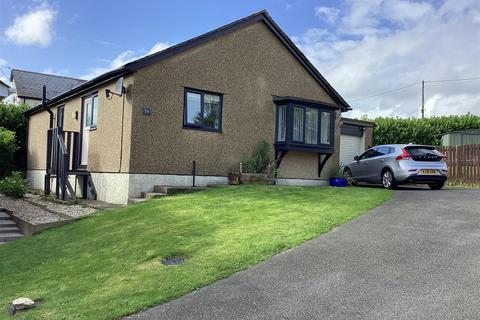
(210, 100)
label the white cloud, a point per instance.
(124, 58)
(159, 46)
(328, 14)
(378, 45)
(33, 28)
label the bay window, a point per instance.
(304, 125)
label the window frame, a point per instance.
(85, 112)
(201, 126)
(290, 122)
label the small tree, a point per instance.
(7, 151)
(12, 118)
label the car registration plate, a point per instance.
(428, 172)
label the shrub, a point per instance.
(12, 118)
(14, 185)
(336, 172)
(7, 151)
(422, 131)
(259, 160)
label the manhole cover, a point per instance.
(173, 261)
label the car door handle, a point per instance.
(366, 162)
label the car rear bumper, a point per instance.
(415, 178)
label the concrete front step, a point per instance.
(9, 229)
(7, 223)
(150, 195)
(4, 216)
(5, 237)
(136, 200)
(168, 190)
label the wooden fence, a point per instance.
(463, 164)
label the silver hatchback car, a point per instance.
(396, 164)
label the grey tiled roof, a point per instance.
(30, 84)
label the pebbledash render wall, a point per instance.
(106, 145)
(248, 66)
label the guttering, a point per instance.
(106, 77)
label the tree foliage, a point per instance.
(421, 131)
(12, 118)
(7, 151)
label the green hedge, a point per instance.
(11, 118)
(7, 150)
(421, 131)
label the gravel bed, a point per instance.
(74, 211)
(27, 211)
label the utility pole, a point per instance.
(423, 99)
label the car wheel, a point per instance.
(436, 186)
(348, 175)
(388, 179)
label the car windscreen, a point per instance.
(424, 153)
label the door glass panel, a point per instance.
(88, 112)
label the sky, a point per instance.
(375, 53)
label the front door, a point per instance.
(87, 105)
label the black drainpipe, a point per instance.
(194, 172)
(44, 106)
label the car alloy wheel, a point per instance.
(387, 179)
(348, 175)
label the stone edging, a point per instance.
(29, 229)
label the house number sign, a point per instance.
(147, 111)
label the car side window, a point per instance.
(368, 154)
(382, 151)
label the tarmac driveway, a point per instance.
(415, 257)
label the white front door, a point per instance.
(87, 107)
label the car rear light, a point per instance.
(404, 156)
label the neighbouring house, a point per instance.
(461, 137)
(210, 99)
(4, 90)
(355, 137)
(27, 86)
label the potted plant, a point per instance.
(337, 178)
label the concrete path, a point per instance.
(415, 257)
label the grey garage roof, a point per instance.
(30, 84)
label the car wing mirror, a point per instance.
(356, 158)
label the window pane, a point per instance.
(211, 111)
(88, 112)
(311, 118)
(282, 123)
(94, 111)
(325, 135)
(298, 124)
(193, 108)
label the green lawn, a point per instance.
(109, 265)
